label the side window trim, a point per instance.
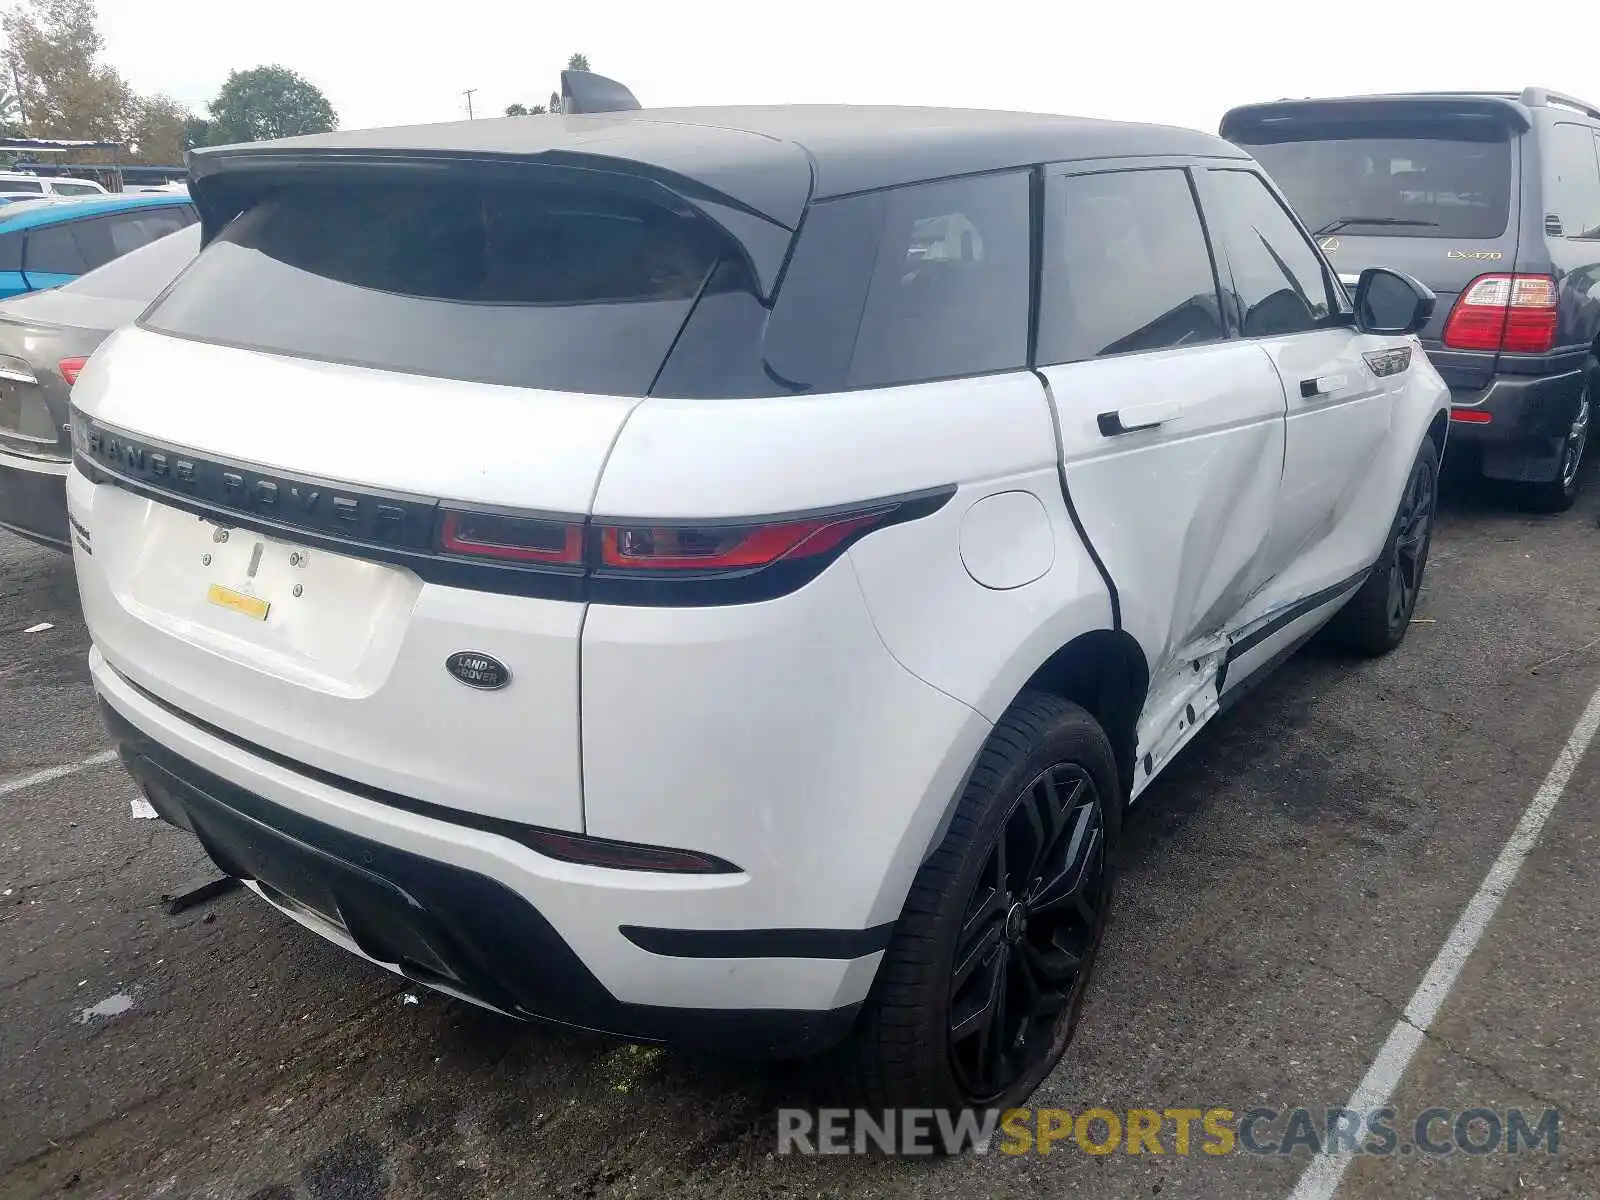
(1230, 316)
(1048, 203)
(1340, 303)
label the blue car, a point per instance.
(46, 243)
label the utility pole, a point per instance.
(468, 95)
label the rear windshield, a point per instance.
(584, 289)
(1425, 183)
(557, 287)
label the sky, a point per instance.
(1180, 64)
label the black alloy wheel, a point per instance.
(1030, 931)
(1415, 531)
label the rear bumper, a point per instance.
(1518, 423)
(33, 500)
(486, 919)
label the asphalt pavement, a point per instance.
(1284, 888)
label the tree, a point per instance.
(11, 125)
(52, 50)
(158, 132)
(578, 62)
(196, 132)
(267, 102)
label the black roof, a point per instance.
(767, 159)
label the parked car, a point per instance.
(905, 486)
(1492, 200)
(45, 338)
(45, 245)
(19, 183)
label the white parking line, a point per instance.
(49, 773)
(1321, 1179)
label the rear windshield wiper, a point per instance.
(1339, 223)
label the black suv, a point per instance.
(1493, 201)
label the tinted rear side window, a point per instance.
(11, 251)
(901, 286)
(1572, 180)
(949, 289)
(78, 247)
(1127, 267)
(21, 185)
(1429, 180)
(142, 273)
(116, 235)
(556, 287)
(54, 250)
(76, 189)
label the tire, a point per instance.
(1559, 493)
(1376, 618)
(1047, 768)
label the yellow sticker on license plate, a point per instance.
(246, 606)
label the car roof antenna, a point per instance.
(586, 92)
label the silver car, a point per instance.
(45, 337)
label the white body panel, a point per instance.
(781, 455)
(1181, 512)
(346, 677)
(586, 905)
(813, 753)
(24, 184)
(781, 736)
(1349, 455)
(439, 438)
(359, 691)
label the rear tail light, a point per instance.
(69, 368)
(725, 548)
(1514, 313)
(1471, 416)
(513, 539)
(671, 562)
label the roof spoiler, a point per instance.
(586, 92)
(1290, 120)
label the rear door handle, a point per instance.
(1135, 417)
(1322, 385)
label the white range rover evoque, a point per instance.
(719, 576)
